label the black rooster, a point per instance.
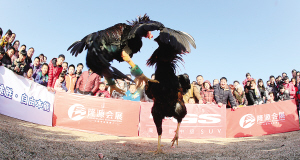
(120, 42)
(168, 93)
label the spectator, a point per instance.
(223, 94)
(235, 83)
(247, 86)
(28, 60)
(132, 94)
(294, 74)
(198, 88)
(6, 60)
(283, 74)
(55, 69)
(253, 95)
(45, 59)
(42, 76)
(189, 93)
(248, 78)
(239, 95)
(153, 76)
(10, 41)
(127, 81)
(88, 83)
(142, 92)
(5, 38)
(232, 89)
(16, 46)
(23, 47)
(262, 90)
(41, 56)
(102, 92)
(283, 94)
(272, 87)
(194, 83)
(271, 98)
(294, 83)
(2, 53)
(268, 83)
(191, 100)
(1, 32)
(215, 82)
(290, 87)
(78, 71)
(58, 82)
(122, 85)
(18, 65)
(207, 93)
(70, 80)
(36, 66)
(65, 67)
(278, 80)
(29, 73)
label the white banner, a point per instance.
(24, 99)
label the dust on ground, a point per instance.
(25, 140)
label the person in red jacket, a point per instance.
(55, 69)
(290, 87)
(102, 92)
(88, 83)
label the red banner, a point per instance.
(201, 121)
(263, 119)
(103, 115)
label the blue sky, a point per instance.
(232, 37)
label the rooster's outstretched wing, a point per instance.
(177, 39)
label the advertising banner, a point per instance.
(201, 121)
(103, 115)
(24, 99)
(263, 119)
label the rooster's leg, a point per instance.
(158, 124)
(176, 135)
(139, 78)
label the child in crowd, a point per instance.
(42, 76)
(70, 80)
(36, 66)
(120, 84)
(102, 92)
(18, 65)
(29, 73)
(283, 94)
(271, 98)
(132, 94)
(248, 78)
(58, 82)
(65, 67)
(192, 100)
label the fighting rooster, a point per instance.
(168, 93)
(120, 42)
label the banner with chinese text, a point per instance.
(24, 99)
(263, 119)
(201, 121)
(103, 115)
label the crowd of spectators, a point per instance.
(249, 92)
(59, 76)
